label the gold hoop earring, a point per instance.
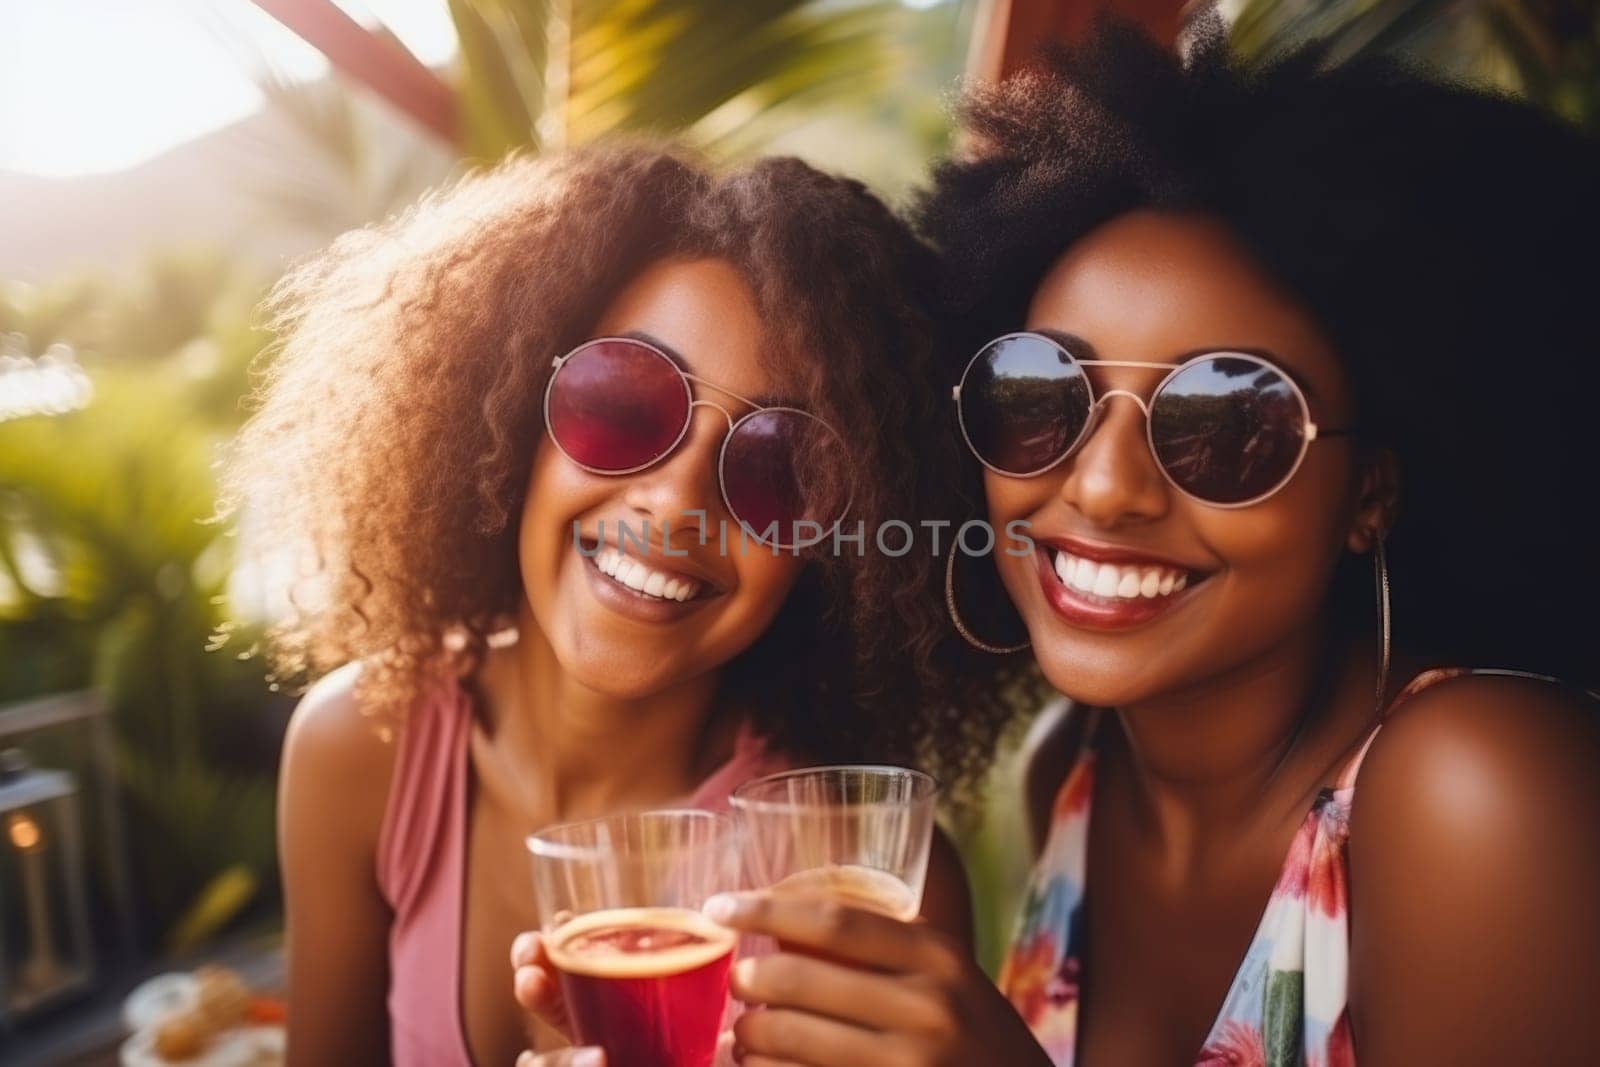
(1380, 567)
(955, 615)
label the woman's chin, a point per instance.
(1095, 680)
(619, 676)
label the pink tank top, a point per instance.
(421, 869)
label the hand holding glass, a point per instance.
(644, 974)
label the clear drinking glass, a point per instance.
(644, 974)
(859, 835)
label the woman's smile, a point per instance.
(1110, 587)
(643, 591)
(652, 582)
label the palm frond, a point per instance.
(322, 158)
(1546, 50)
(659, 65)
(500, 78)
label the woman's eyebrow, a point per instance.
(655, 342)
(1070, 341)
(760, 400)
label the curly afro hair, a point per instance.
(399, 414)
(1446, 241)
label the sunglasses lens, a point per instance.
(781, 468)
(1228, 430)
(617, 405)
(1023, 404)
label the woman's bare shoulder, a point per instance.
(1474, 868)
(338, 756)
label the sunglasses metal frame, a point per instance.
(1310, 432)
(689, 381)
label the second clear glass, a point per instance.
(857, 834)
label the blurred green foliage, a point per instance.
(112, 575)
(1545, 50)
(545, 74)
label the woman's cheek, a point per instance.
(765, 582)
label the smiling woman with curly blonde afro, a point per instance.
(399, 454)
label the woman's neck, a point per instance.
(1249, 748)
(565, 750)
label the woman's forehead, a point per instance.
(1156, 286)
(702, 312)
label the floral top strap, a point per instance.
(1287, 1003)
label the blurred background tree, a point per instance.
(112, 575)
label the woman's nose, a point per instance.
(677, 491)
(1113, 479)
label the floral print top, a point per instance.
(1287, 1003)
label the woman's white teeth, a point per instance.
(1122, 581)
(626, 570)
(1105, 580)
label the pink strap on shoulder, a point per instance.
(427, 783)
(752, 758)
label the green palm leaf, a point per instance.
(500, 87)
(1546, 50)
(657, 65)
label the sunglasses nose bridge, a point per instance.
(1097, 415)
(1101, 401)
(1101, 404)
(726, 414)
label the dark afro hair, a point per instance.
(1445, 239)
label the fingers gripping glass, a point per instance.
(618, 405)
(643, 973)
(1228, 429)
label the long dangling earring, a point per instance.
(1380, 566)
(955, 615)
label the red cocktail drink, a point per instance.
(649, 985)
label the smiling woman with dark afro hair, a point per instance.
(1446, 242)
(1292, 373)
